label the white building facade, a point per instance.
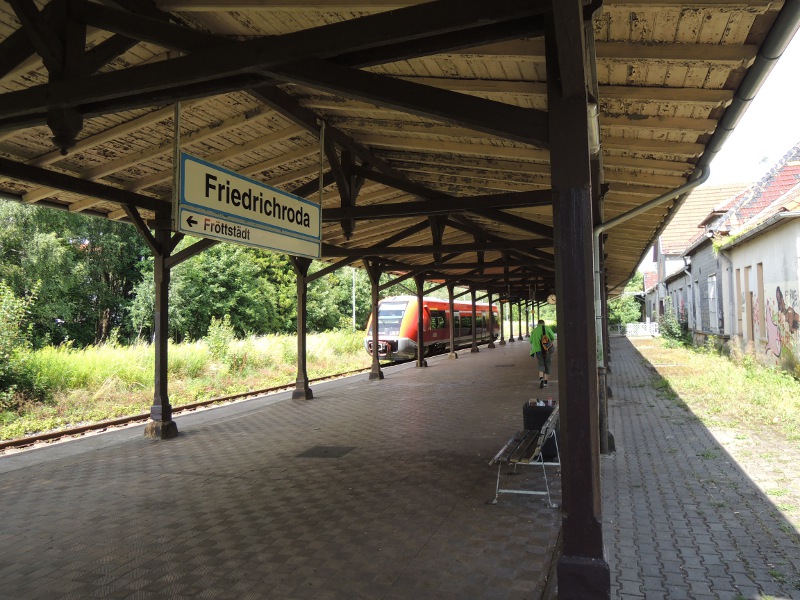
(764, 301)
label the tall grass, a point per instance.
(723, 391)
(107, 381)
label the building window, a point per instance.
(748, 305)
(761, 300)
(738, 302)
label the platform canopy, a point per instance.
(435, 120)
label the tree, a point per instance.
(223, 280)
(15, 330)
(627, 308)
(88, 268)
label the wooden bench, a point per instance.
(525, 448)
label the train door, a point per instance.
(466, 326)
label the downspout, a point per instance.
(699, 176)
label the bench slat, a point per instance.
(527, 449)
(509, 447)
(526, 445)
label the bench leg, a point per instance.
(497, 487)
(547, 487)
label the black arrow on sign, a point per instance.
(190, 221)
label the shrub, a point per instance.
(671, 329)
(220, 335)
(15, 330)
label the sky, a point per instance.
(769, 127)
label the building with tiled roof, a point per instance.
(650, 280)
(695, 208)
(681, 233)
(751, 203)
(701, 286)
(738, 279)
(764, 278)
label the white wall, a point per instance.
(774, 313)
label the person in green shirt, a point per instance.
(542, 347)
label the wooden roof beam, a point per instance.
(732, 55)
(40, 176)
(328, 250)
(173, 78)
(498, 119)
(129, 160)
(222, 155)
(711, 97)
(439, 206)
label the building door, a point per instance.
(713, 321)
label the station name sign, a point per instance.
(217, 203)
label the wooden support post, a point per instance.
(452, 323)
(474, 347)
(374, 273)
(582, 571)
(420, 281)
(528, 311)
(301, 389)
(502, 323)
(161, 425)
(519, 320)
(511, 321)
(491, 322)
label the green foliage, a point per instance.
(548, 313)
(627, 308)
(88, 269)
(106, 381)
(63, 368)
(15, 344)
(736, 390)
(219, 337)
(670, 328)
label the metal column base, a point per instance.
(583, 578)
(160, 430)
(302, 393)
(373, 375)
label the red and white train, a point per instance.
(397, 326)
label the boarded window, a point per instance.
(713, 322)
(762, 297)
(739, 302)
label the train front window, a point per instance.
(390, 315)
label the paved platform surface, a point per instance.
(371, 490)
(681, 519)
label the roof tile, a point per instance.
(695, 208)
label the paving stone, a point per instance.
(231, 509)
(703, 549)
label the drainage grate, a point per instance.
(326, 452)
(500, 366)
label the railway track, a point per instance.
(52, 436)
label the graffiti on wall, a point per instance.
(783, 323)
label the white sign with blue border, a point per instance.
(220, 204)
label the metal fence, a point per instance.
(634, 329)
